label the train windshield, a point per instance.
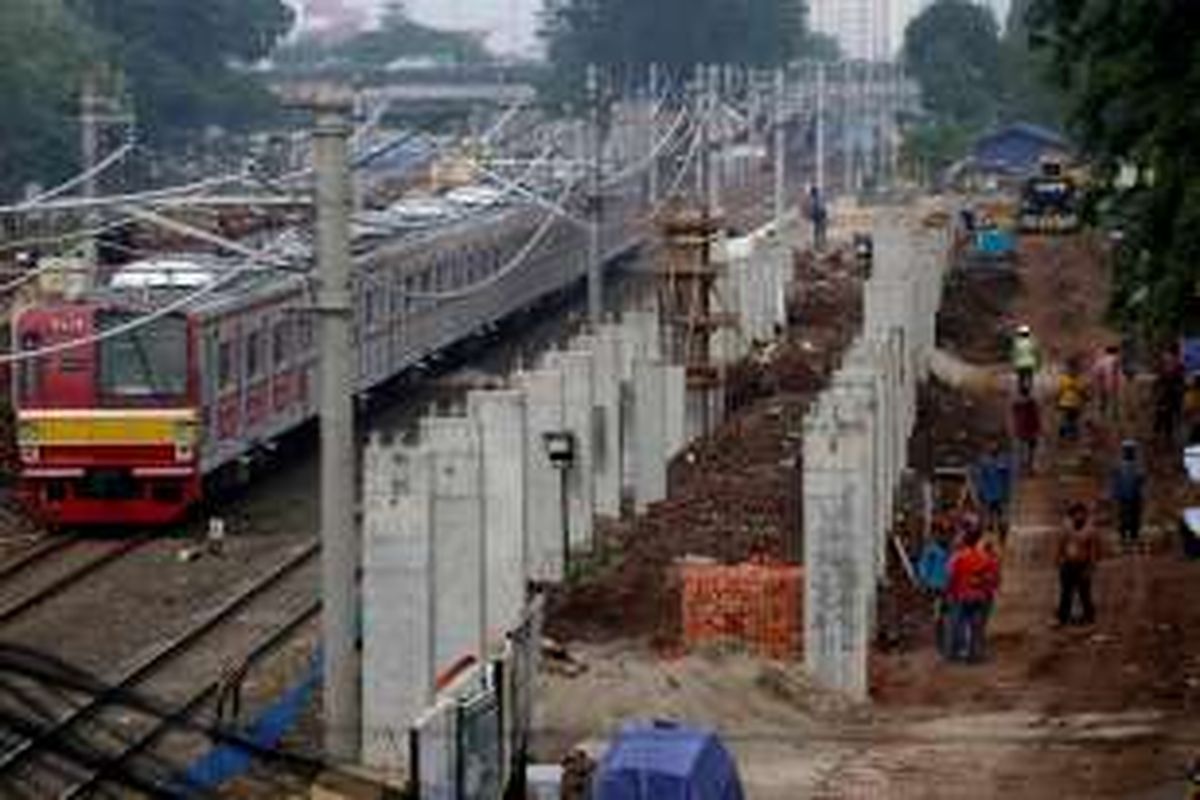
(149, 361)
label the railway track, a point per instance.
(64, 573)
(149, 713)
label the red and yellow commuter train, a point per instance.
(127, 426)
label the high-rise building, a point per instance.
(865, 29)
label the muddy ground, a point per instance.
(1105, 711)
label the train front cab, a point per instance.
(107, 431)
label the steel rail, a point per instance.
(65, 581)
(46, 548)
(180, 716)
(151, 663)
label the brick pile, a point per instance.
(756, 605)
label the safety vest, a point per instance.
(1025, 353)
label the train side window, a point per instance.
(225, 368)
(305, 333)
(369, 308)
(410, 286)
(281, 345)
(254, 353)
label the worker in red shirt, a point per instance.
(974, 580)
(1027, 428)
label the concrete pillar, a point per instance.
(543, 482)
(605, 347)
(675, 411)
(503, 437)
(460, 568)
(649, 434)
(398, 599)
(839, 586)
(579, 418)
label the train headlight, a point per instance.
(27, 434)
(184, 435)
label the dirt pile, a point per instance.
(734, 495)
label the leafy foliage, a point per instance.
(677, 34)
(41, 57)
(1132, 72)
(952, 49)
(179, 56)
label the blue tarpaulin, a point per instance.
(666, 761)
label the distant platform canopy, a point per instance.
(1018, 150)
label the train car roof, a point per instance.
(170, 277)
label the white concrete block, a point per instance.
(579, 418)
(544, 509)
(399, 600)
(675, 410)
(460, 569)
(649, 417)
(500, 417)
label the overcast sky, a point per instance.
(510, 24)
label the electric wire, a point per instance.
(95, 170)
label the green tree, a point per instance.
(184, 59)
(42, 53)
(1030, 94)
(677, 34)
(952, 49)
(1131, 72)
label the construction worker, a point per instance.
(1026, 357)
(1072, 396)
(1078, 553)
(818, 214)
(1127, 492)
(1168, 395)
(934, 575)
(1027, 428)
(974, 579)
(993, 478)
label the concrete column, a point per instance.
(606, 383)
(543, 482)
(500, 417)
(675, 411)
(579, 419)
(398, 600)
(649, 434)
(460, 567)
(838, 585)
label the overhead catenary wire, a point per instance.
(254, 261)
(94, 171)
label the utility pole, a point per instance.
(780, 119)
(340, 547)
(820, 125)
(653, 128)
(91, 117)
(714, 149)
(595, 266)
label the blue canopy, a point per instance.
(666, 761)
(1017, 149)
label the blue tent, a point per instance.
(1017, 149)
(666, 761)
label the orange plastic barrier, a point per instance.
(756, 604)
